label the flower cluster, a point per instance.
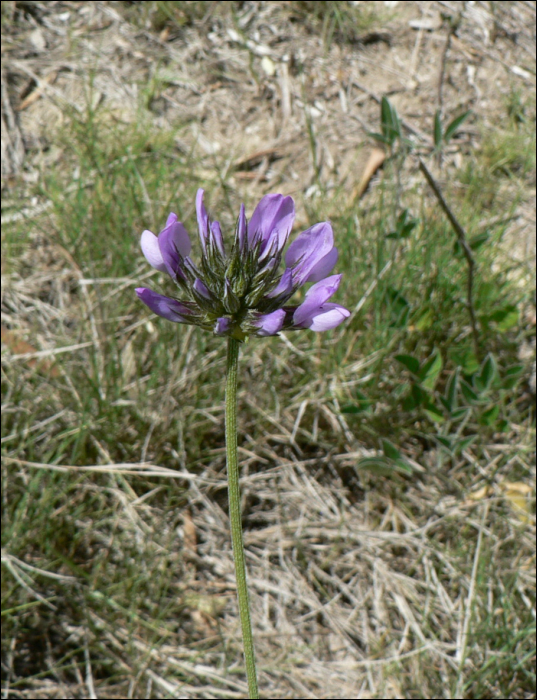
(240, 292)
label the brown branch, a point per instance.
(463, 242)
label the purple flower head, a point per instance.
(242, 291)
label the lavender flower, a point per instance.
(241, 292)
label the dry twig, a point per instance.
(463, 242)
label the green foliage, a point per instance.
(404, 226)
(442, 137)
(335, 19)
(391, 463)
(471, 399)
(389, 123)
(173, 15)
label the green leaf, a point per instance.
(402, 218)
(477, 241)
(362, 404)
(437, 129)
(408, 403)
(459, 413)
(363, 401)
(505, 318)
(390, 450)
(351, 409)
(445, 404)
(489, 416)
(445, 442)
(403, 226)
(452, 127)
(396, 124)
(512, 376)
(433, 413)
(396, 297)
(385, 116)
(468, 393)
(428, 374)
(474, 243)
(403, 466)
(461, 445)
(452, 387)
(409, 227)
(486, 293)
(488, 373)
(400, 320)
(376, 465)
(405, 223)
(409, 362)
(424, 320)
(391, 127)
(414, 399)
(471, 363)
(418, 394)
(379, 137)
(398, 306)
(514, 371)
(408, 143)
(465, 359)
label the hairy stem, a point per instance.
(235, 513)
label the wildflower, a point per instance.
(240, 292)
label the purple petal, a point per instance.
(200, 288)
(272, 221)
(284, 286)
(151, 250)
(166, 307)
(203, 218)
(161, 252)
(179, 235)
(270, 248)
(216, 234)
(241, 227)
(267, 266)
(270, 324)
(316, 296)
(307, 252)
(317, 315)
(324, 267)
(222, 326)
(327, 317)
(174, 241)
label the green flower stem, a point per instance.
(235, 513)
